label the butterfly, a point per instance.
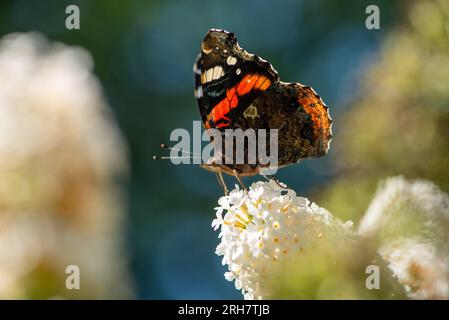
(235, 89)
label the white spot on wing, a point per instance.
(231, 60)
(209, 74)
(217, 73)
(197, 71)
(199, 92)
(238, 71)
(249, 54)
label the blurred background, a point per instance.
(148, 232)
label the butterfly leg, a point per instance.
(239, 180)
(222, 183)
(272, 177)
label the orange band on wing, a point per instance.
(248, 83)
(318, 113)
(224, 106)
(262, 83)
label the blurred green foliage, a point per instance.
(399, 124)
(337, 275)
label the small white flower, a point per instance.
(266, 226)
(229, 276)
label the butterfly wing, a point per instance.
(198, 91)
(236, 89)
(228, 79)
(300, 116)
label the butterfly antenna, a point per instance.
(188, 154)
(169, 157)
(165, 146)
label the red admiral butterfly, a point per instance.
(235, 89)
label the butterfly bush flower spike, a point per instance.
(267, 226)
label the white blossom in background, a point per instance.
(60, 156)
(410, 221)
(268, 226)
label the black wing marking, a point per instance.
(197, 69)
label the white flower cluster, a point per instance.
(60, 153)
(267, 225)
(410, 221)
